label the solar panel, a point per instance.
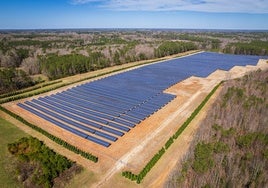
(111, 106)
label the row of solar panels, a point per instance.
(87, 115)
(107, 108)
(109, 96)
(132, 113)
(64, 126)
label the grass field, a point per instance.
(8, 134)
(83, 179)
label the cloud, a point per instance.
(237, 6)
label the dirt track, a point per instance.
(135, 149)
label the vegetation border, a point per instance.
(139, 177)
(29, 89)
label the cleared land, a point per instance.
(123, 100)
(135, 149)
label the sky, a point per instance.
(175, 14)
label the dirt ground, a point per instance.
(133, 150)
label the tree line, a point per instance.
(171, 48)
(249, 48)
(56, 66)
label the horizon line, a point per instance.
(129, 28)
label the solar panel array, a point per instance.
(104, 110)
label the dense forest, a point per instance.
(231, 146)
(170, 48)
(39, 166)
(28, 57)
(56, 66)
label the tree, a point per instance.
(31, 65)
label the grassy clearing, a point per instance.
(85, 178)
(9, 133)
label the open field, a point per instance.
(135, 148)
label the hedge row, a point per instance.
(17, 97)
(196, 111)
(138, 178)
(169, 142)
(28, 89)
(52, 137)
(66, 84)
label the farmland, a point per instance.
(148, 103)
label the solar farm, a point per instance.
(104, 110)
(124, 118)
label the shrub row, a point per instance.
(52, 137)
(28, 89)
(138, 178)
(17, 97)
(169, 142)
(196, 111)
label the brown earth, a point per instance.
(136, 148)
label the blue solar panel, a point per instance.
(98, 141)
(71, 122)
(70, 129)
(91, 116)
(113, 105)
